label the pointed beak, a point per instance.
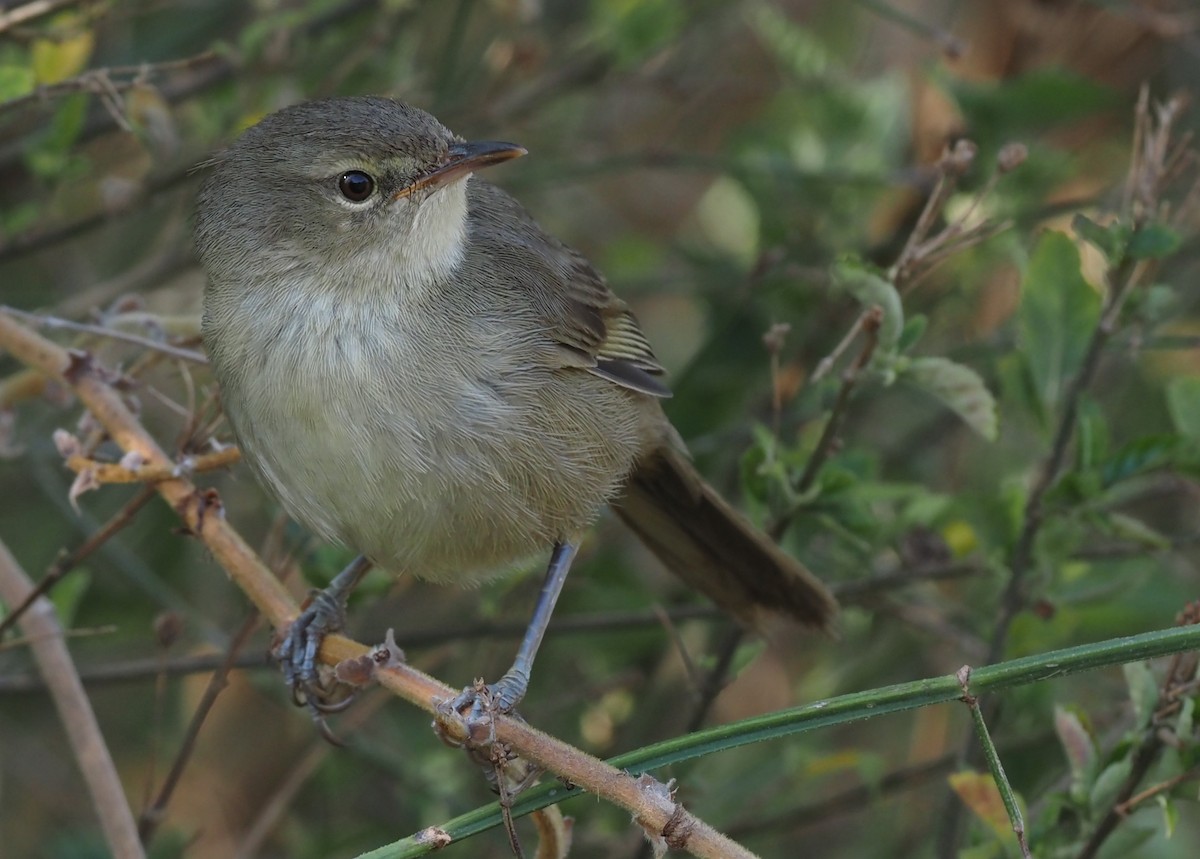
(464, 158)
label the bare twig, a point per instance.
(38, 8)
(869, 324)
(68, 561)
(54, 322)
(1134, 801)
(950, 167)
(151, 816)
(951, 45)
(111, 472)
(136, 670)
(107, 83)
(40, 624)
(717, 677)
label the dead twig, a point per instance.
(40, 625)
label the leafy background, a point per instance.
(733, 167)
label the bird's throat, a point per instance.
(436, 241)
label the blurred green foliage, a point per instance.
(731, 166)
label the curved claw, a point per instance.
(297, 650)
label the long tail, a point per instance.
(715, 549)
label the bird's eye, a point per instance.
(356, 186)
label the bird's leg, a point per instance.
(325, 613)
(508, 691)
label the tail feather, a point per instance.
(715, 549)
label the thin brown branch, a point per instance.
(869, 324)
(38, 8)
(152, 815)
(22, 385)
(68, 561)
(1123, 281)
(45, 236)
(953, 164)
(111, 472)
(717, 678)
(858, 591)
(137, 670)
(1133, 802)
(40, 625)
(303, 768)
(53, 322)
(201, 511)
(107, 82)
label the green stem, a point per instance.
(827, 713)
(999, 777)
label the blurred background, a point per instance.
(714, 158)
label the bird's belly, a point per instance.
(437, 473)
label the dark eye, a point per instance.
(356, 185)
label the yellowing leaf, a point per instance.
(960, 537)
(979, 793)
(63, 56)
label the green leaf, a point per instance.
(634, 29)
(1184, 724)
(1136, 531)
(68, 594)
(795, 47)
(1043, 97)
(1108, 784)
(870, 290)
(1145, 454)
(914, 327)
(1091, 437)
(15, 81)
(1058, 312)
(1143, 692)
(1153, 241)
(1111, 240)
(1076, 742)
(960, 388)
(1183, 402)
(1170, 813)
(745, 654)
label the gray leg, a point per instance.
(326, 613)
(508, 691)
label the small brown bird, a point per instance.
(414, 368)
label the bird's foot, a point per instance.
(468, 722)
(296, 652)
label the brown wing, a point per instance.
(602, 328)
(593, 329)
